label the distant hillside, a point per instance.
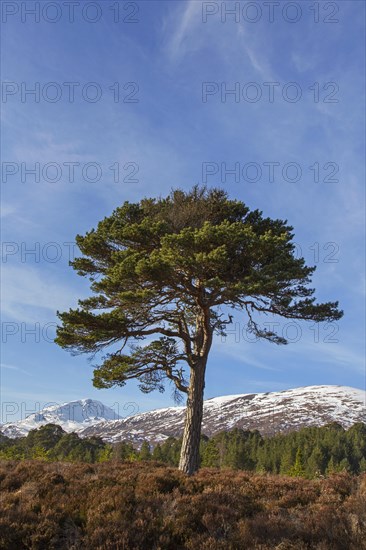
(74, 416)
(269, 413)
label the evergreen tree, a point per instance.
(344, 465)
(332, 466)
(157, 454)
(210, 454)
(298, 468)
(123, 450)
(316, 464)
(356, 438)
(39, 453)
(362, 465)
(145, 451)
(310, 451)
(45, 437)
(165, 268)
(12, 452)
(287, 460)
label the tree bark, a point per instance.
(189, 457)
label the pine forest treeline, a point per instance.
(310, 452)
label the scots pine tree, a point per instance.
(145, 451)
(157, 454)
(167, 275)
(298, 468)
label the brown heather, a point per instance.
(149, 506)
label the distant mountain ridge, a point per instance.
(270, 413)
(74, 416)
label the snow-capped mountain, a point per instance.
(74, 416)
(269, 413)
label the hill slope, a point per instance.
(269, 413)
(74, 416)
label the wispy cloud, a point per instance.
(5, 366)
(7, 210)
(187, 33)
(184, 21)
(337, 354)
(31, 295)
(245, 352)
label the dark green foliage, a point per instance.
(145, 451)
(123, 451)
(51, 443)
(169, 451)
(176, 269)
(310, 452)
(72, 447)
(298, 469)
(46, 436)
(165, 268)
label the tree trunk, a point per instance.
(189, 457)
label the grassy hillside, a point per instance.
(147, 506)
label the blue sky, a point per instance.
(172, 125)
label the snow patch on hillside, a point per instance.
(74, 416)
(269, 412)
